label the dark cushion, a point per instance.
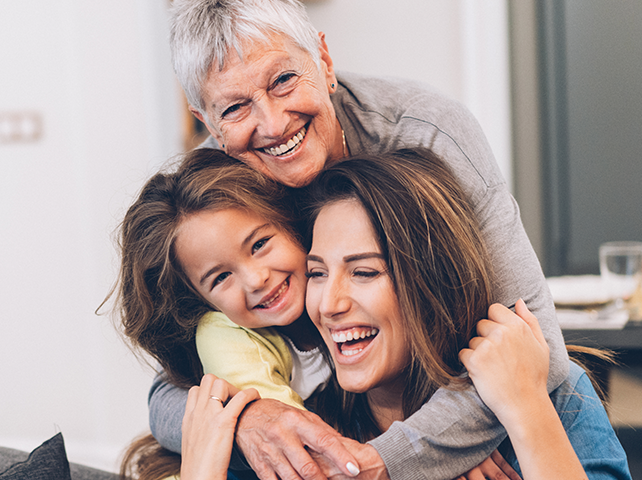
(47, 462)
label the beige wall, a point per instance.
(458, 46)
(96, 76)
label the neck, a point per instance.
(340, 149)
(303, 333)
(386, 403)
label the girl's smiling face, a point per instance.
(246, 267)
(352, 301)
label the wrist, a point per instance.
(523, 420)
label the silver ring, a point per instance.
(218, 399)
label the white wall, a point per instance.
(97, 75)
(458, 46)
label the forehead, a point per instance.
(259, 59)
(344, 225)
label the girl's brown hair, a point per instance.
(158, 307)
(437, 262)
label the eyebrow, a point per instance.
(282, 63)
(348, 258)
(244, 243)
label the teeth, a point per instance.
(269, 302)
(286, 147)
(349, 353)
(342, 337)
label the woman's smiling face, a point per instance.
(243, 265)
(351, 300)
(272, 110)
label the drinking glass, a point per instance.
(621, 269)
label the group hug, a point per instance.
(337, 283)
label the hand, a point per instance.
(276, 440)
(208, 428)
(508, 361)
(370, 462)
(494, 467)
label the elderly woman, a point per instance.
(261, 78)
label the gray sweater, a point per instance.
(454, 431)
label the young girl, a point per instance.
(215, 241)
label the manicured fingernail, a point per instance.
(352, 468)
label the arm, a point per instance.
(508, 362)
(246, 358)
(273, 436)
(436, 440)
(380, 115)
(167, 402)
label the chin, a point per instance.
(353, 387)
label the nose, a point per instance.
(335, 298)
(272, 117)
(255, 277)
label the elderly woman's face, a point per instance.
(272, 110)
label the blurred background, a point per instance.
(90, 108)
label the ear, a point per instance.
(326, 62)
(217, 136)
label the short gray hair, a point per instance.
(203, 31)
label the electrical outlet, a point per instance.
(20, 127)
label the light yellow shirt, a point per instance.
(246, 357)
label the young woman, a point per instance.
(395, 250)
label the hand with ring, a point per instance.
(209, 422)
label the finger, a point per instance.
(204, 392)
(525, 314)
(498, 313)
(485, 327)
(489, 469)
(329, 444)
(504, 466)
(475, 342)
(282, 470)
(464, 357)
(474, 474)
(192, 395)
(221, 390)
(239, 401)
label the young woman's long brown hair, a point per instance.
(437, 262)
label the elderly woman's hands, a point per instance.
(208, 428)
(278, 441)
